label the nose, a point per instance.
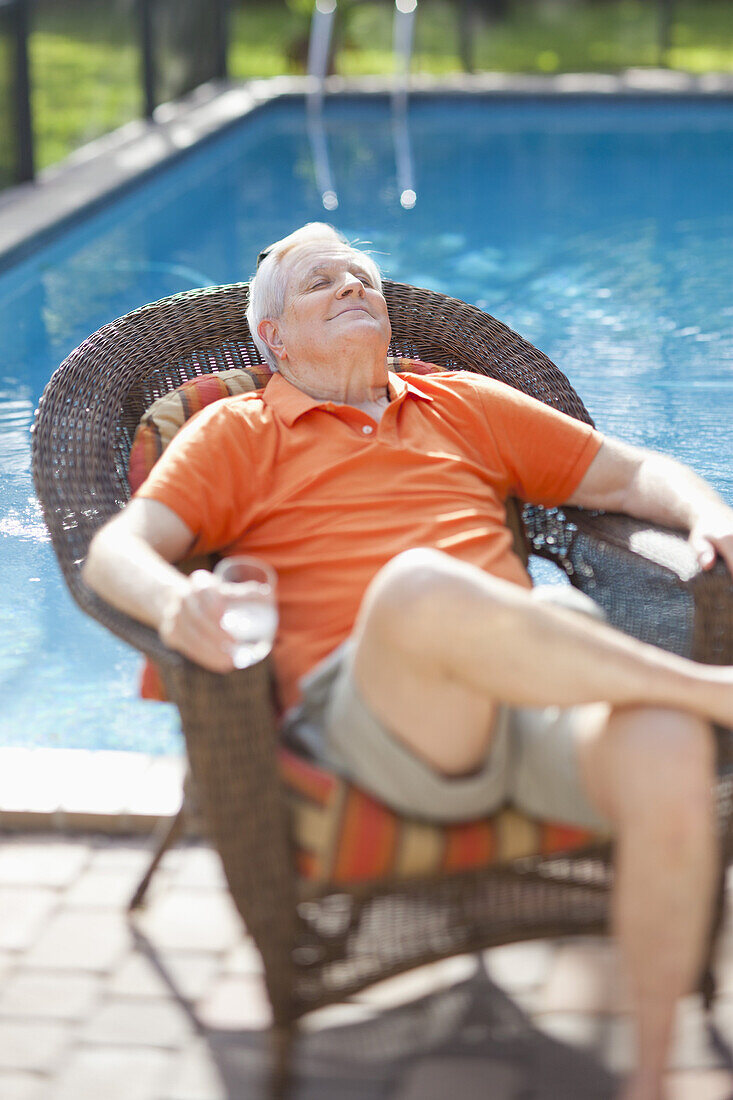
(350, 284)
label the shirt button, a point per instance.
(367, 429)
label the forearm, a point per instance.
(127, 572)
(665, 491)
(129, 566)
(653, 487)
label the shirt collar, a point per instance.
(399, 387)
(287, 400)
(290, 403)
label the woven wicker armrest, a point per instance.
(645, 577)
(230, 728)
(231, 739)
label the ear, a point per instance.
(269, 332)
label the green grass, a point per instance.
(263, 37)
(547, 37)
(85, 79)
(544, 36)
(86, 74)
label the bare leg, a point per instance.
(463, 640)
(439, 644)
(650, 772)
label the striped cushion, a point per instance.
(341, 834)
(169, 413)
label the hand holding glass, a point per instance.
(249, 589)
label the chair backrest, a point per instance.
(90, 409)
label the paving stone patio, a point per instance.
(172, 1006)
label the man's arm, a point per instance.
(651, 486)
(129, 565)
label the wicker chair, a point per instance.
(322, 949)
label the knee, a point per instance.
(409, 594)
(422, 590)
(664, 769)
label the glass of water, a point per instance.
(250, 591)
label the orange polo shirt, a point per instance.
(327, 496)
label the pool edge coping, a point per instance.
(89, 790)
(31, 214)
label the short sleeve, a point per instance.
(545, 452)
(207, 476)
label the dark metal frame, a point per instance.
(219, 10)
(24, 161)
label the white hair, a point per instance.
(267, 287)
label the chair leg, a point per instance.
(170, 834)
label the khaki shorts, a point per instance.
(532, 764)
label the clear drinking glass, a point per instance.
(250, 591)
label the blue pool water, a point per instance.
(600, 231)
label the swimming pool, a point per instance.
(600, 229)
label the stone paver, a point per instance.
(196, 1076)
(582, 977)
(519, 967)
(199, 867)
(112, 1073)
(236, 1002)
(192, 974)
(90, 1010)
(138, 1022)
(185, 920)
(691, 1047)
(103, 889)
(24, 910)
(7, 962)
(81, 939)
(43, 995)
(243, 959)
(47, 862)
(22, 1086)
(32, 1045)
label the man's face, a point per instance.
(331, 301)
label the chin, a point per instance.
(368, 339)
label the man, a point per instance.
(412, 653)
